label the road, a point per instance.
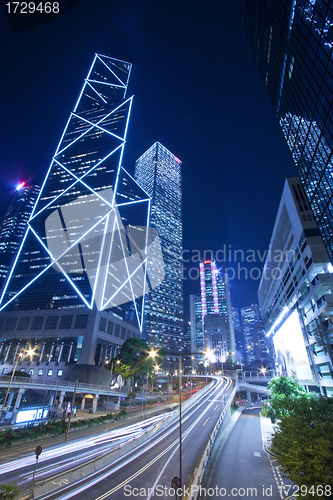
(242, 468)
(151, 465)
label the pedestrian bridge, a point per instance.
(258, 389)
(58, 386)
(56, 392)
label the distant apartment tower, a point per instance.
(296, 294)
(215, 301)
(292, 42)
(158, 172)
(75, 290)
(14, 225)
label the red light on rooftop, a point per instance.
(19, 186)
(207, 262)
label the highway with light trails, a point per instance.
(149, 467)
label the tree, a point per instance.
(8, 492)
(303, 444)
(284, 390)
(135, 360)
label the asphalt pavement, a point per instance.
(241, 467)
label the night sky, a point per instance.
(197, 91)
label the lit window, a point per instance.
(49, 373)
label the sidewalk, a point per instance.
(267, 430)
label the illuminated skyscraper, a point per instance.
(14, 226)
(250, 319)
(292, 42)
(76, 288)
(158, 172)
(239, 337)
(216, 311)
(197, 340)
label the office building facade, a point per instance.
(197, 338)
(292, 42)
(250, 317)
(14, 225)
(239, 337)
(76, 288)
(295, 294)
(158, 172)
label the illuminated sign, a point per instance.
(291, 355)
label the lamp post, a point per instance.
(146, 394)
(107, 362)
(153, 353)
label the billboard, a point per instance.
(291, 356)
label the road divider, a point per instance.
(192, 490)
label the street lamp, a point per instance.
(153, 353)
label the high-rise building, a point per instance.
(197, 339)
(292, 42)
(14, 226)
(250, 319)
(239, 337)
(213, 290)
(261, 351)
(295, 294)
(158, 172)
(75, 291)
(216, 302)
(217, 338)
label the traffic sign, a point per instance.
(176, 483)
(38, 451)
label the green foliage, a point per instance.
(135, 361)
(284, 391)
(8, 492)
(230, 365)
(284, 386)
(55, 428)
(303, 442)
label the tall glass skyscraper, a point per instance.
(158, 172)
(250, 317)
(197, 338)
(292, 42)
(14, 226)
(76, 288)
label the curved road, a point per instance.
(144, 472)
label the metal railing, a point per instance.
(59, 385)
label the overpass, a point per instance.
(251, 381)
(256, 382)
(57, 391)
